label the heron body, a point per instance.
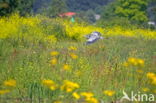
(93, 37)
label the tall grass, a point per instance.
(98, 67)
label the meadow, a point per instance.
(45, 60)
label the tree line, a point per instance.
(134, 10)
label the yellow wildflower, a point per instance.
(76, 95)
(53, 61)
(4, 91)
(145, 89)
(69, 86)
(73, 56)
(57, 102)
(87, 94)
(66, 67)
(150, 75)
(92, 100)
(109, 92)
(50, 84)
(135, 61)
(132, 61)
(141, 62)
(10, 83)
(139, 71)
(54, 53)
(53, 87)
(89, 97)
(72, 48)
(154, 81)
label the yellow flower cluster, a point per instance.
(54, 59)
(54, 53)
(27, 28)
(72, 48)
(89, 97)
(78, 30)
(4, 91)
(87, 94)
(109, 92)
(50, 84)
(13, 27)
(152, 77)
(73, 56)
(145, 89)
(81, 29)
(8, 83)
(69, 86)
(134, 62)
(76, 95)
(119, 31)
(50, 39)
(66, 67)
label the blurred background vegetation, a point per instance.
(111, 12)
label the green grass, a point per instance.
(100, 66)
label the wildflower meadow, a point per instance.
(46, 60)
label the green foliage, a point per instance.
(124, 13)
(84, 5)
(152, 10)
(9, 6)
(109, 18)
(56, 7)
(115, 21)
(108, 11)
(87, 16)
(25, 7)
(54, 27)
(134, 10)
